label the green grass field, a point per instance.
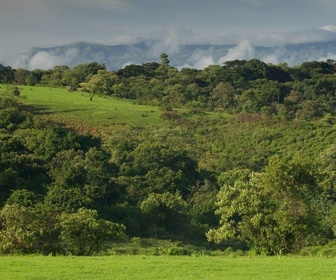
(76, 108)
(166, 267)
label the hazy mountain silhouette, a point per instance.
(193, 56)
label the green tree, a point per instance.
(164, 59)
(224, 96)
(56, 76)
(156, 167)
(202, 208)
(309, 110)
(278, 211)
(326, 162)
(166, 214)
(17, 232)
(100, 83)
(7, 75)
(83, 233)
(79, 179)
(20, 76)
(11, 115)
(264, 94)
(22, 197)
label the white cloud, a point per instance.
(47, 60)
(243, 50)
(328, 56)
(169, 39)
(199, 59)
(127, 63)
(271, 58)
(331, 28)
(324, 34)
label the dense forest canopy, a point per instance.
(258, 172)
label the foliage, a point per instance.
(278, 211)
(83, 233)
(166, 214)
(17, 234)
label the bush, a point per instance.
(17, 234)
(328, 250)
(82, 233)
(15, 91)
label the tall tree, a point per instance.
(278, 211)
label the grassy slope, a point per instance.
(165, 267)
(77, 111)
(220, 145)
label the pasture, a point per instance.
(166, 267)
(75, 108)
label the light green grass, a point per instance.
(75, 107)
(165, 267)
(76, 111)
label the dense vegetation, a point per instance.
(245, 157)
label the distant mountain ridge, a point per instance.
(194, 55)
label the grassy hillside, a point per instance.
(220, 142)
(75, 108)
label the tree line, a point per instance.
(303, 92)
(262, 178)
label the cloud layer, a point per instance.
(34, 23)
(48, 60)
(180, 56)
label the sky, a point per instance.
(40, 23)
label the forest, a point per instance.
(244, 156)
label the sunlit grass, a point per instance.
(76, 107)
(166, 267)
(100, 116)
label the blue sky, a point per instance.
(28, 23)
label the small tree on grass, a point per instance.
(82, 233)
(100, 83)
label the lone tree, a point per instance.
(164, 59)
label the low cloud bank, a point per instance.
(184, 50)
(292, 55)
(188, 54)
(45, 60)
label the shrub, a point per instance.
(82, 233)
(15, 91)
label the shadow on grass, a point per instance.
(37, 110)
(46, 110)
